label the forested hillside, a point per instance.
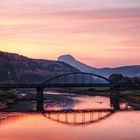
(19, 69)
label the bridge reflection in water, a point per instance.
(75, 117)
(83, 116)
(79, 117)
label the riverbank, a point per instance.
(51, 101)
(9, 97)
(94, 91)
(131, 95)
(65, 98)
(84, 91)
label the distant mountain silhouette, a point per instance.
(130, 71)
(21, 69)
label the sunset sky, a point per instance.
(97, 32)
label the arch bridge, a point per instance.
(77, 79)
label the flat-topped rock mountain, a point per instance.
(130, 71)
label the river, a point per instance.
(92, 119)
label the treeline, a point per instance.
(119, 78)
(19, 69)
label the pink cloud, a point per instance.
(109, 30)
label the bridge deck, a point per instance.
(119, 87)
(11, 86)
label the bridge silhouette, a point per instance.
(77, 79)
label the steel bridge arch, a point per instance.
(77, 73)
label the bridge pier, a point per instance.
(115, 98)
(39, 99)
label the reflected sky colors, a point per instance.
(77, 125)
(116, 127)
(98, 32)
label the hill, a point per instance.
(130, 71)
(16, 68)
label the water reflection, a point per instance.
(91, 118)
(85, 103)
(56, 126)
(6, 117)
(78, 118)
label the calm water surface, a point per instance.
(105, 125)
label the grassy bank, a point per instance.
(9, 97)
(132, 95)
(135, 99)
(84, 90)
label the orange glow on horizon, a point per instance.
(98, 36)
